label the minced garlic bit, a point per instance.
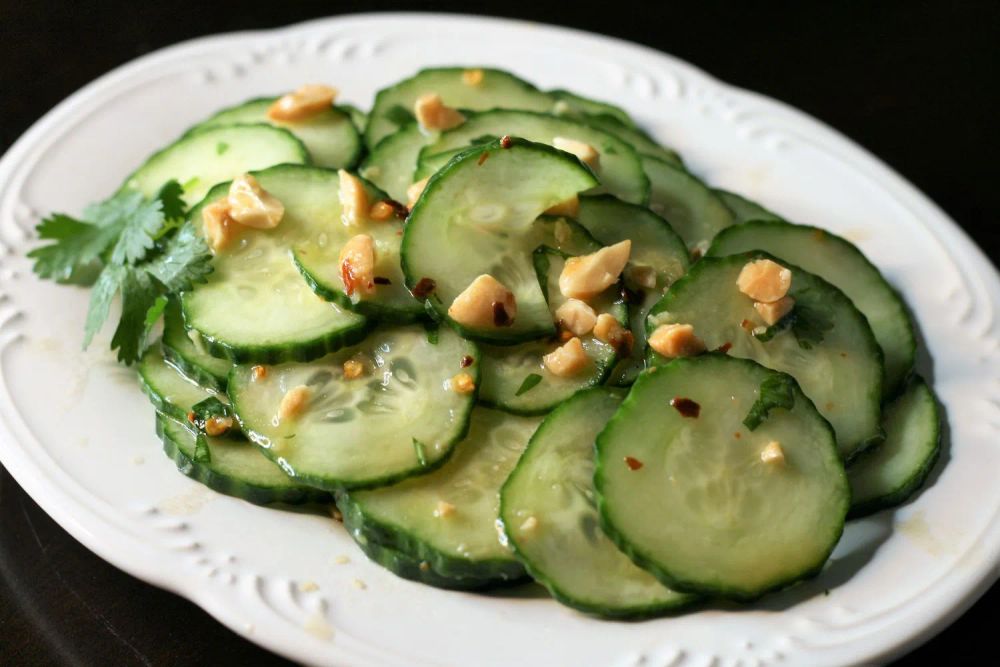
(294, 402)
(434, 114)
(414, 191)
(765, 281)
(676, 340)
(381, 211)
(357, 266)
(462, 384)
(308, 586)
(529, 525)
(640, 275)
(587, 276)
(568, 359)
(584, 151)
(576, 316)
(472, 77)
(773, 454)
(341, 560)
(609, 330)
(568, 207)
(774, 311)
(252, 205)
(360, 585)
(305, 102)
(444, 510)
(353, 199)
(353, 369)
(485, 303)
(216, 426)
(258, 373)
(219, 229)
(424, 566)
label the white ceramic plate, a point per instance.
(77, 433)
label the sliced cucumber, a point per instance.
(408, 567)
(184, 353)
(890, 473)
(620, 170)
(234, 468)
(170, 391)
(635, 137)
(693, 210)
(477, 216)
(199, 160)
(825, 343)
(744, 210)
(655, 245)
(566, 551)
(357, 116)
(392, 163)
(692, 500)
(448, 518)
(393, 106)
(578, 105)
(400, 418)
(840, 262)
(330, 136)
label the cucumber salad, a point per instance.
(509, 336)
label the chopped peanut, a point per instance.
(433, 114)
(305, 102)
(252, 205)
(472, 77)
(462, 384)
(576, 316)
(529, 525)
(353, 369)
(485, 303)
(562, 232)
(774, 311)
(676, 340)
(444, 510)
(584, 151)
(587, 276)
(294, 402)
(353, 199)
(610, 331)
(357, 266)
(414, 191)
(381, 211)
(258, 373)
(567, 360)
(218, 227)
(773, 453)
(569, 207)
(216, 426)
(641, 275)
(764, 280)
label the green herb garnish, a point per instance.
(529, 383)
(777, 391)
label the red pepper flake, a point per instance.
(505, 142)
(500, 316)
(686, 407)
(747, 325)
(482, 158)
(381, 280)
(696, 254)
(467, 361)
(399, 209)
(190, 417)
(622, 342)
(737, 435)
(725, 347)
(632, 463)
(423, 288)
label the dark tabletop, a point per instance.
(913, 82)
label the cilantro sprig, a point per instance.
(129, 245)
(776, 391)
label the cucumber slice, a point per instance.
(693, 210)
(400, 419)
(578, 105)
(477, 215)
(185, 354)
(635, 137)
(566, 551)
(620, 171)
(691, 499)
(890, 473)
(392, 163)
(168, 389)
(460, 541)
(825, 344)
(199, 160)
(329, 136)
(744, 210)
(393, 106)
(234, 468)
(358, 117)
(514, 377)
(840, 262)
(654, 244)
(414, 569)
(255, 305)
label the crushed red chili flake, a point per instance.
(399, 209)
(686, 407)
(482, 158)
(423, 288)
(696, 254)
(467, 361)
(725, 347)
(737, 435)
(622, 342)
(505, 142)
(381, 280)
(500, 316)
(633, 463)
(747, 325)
(190, 417)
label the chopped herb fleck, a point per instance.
(777, 391)
(399, 115)
(418, 447)
(529, 383)
(221, 147)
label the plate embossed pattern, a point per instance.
(77, 434)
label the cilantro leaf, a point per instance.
(529, 383)
(77, 244)
(138, 230)
(139, 295)
(398, 115)
(101, 296)
(184, 260)
(171, 196)
(203, 411)
(813, 318)
(202, 454)
(777, 391)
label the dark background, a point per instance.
(916, 83)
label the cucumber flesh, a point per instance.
(391, 164)
(329, 136)
(830, 351)
(462, 542)
(168, 389)
(566, 551)
(892, 472)
(693, 210)
(408, 567)
(636, 138)
(401, 418)
(477, 216)
(620, 170)
(744, 210)
(358, 117)
(840, 262)
(393, 107)
(183, 352)
(577, 105)
(199, 160)
(692, 501)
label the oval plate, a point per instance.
(77, 433)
